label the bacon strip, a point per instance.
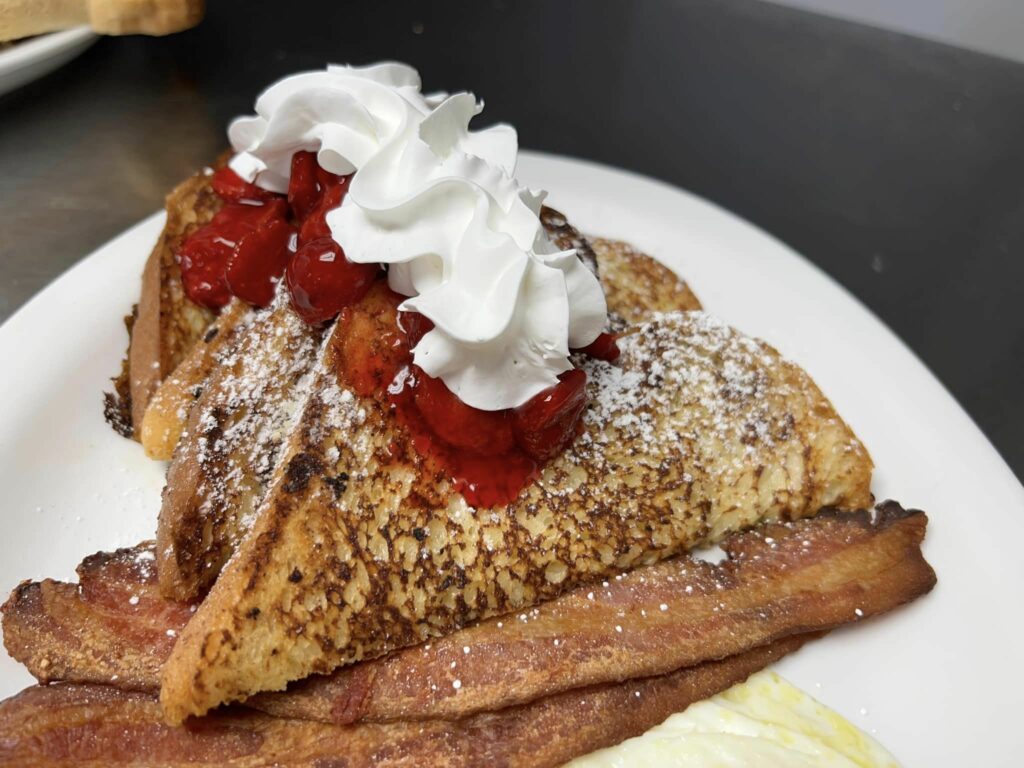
(112, 627)
(78, 725)
(778, 580)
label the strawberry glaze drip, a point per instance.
(489, 456)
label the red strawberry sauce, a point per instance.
(489, 455)
(258, 237)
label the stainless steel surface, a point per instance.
(86, 153)
(895, 164)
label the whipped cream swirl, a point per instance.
(440, 206)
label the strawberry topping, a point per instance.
(258, 261)
(602, 348)
(245, 248)
(415, 326)
(204, 255)
(322, 281)
(303, 184)
(232, 187)
(546, 423)
(314, 226)
(486, 433)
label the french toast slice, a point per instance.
(210, 496)
(362, 546)
(234, 431)
(172, 401)
(167, 323)
(636, 286)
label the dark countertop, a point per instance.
(895, 164)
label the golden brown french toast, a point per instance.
(362, 547)
(636, 286)
(168, 323)
(211, 495)
(172, 401)
(234, 434)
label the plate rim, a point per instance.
(35, 49)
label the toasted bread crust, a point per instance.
(117, 405)
(146, 17)
(636, 286)
(235, 431)
(567, 237)
(24, 18)
(172, 401)
(168, 322)
(698, 431)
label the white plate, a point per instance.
(25, 61)
(937, 682)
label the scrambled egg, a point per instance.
(764, 722)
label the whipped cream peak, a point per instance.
(439, 204)
(343, 113)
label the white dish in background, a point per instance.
(30, 59)
(935, 682)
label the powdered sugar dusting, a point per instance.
(253, 402)
(683, 361)
(712, 418)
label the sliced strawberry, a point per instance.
(602, 348)
(250, 214)
(315, 226)
(303, 184)
(547, 423)
(204, 255)
(259, 260)
(415, 326)
(487, 433)
(322, 281)
(202, 258)
(233, 188)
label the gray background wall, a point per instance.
(990, 26)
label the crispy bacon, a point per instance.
(78, 725)
(112, 627)
(778, 580)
